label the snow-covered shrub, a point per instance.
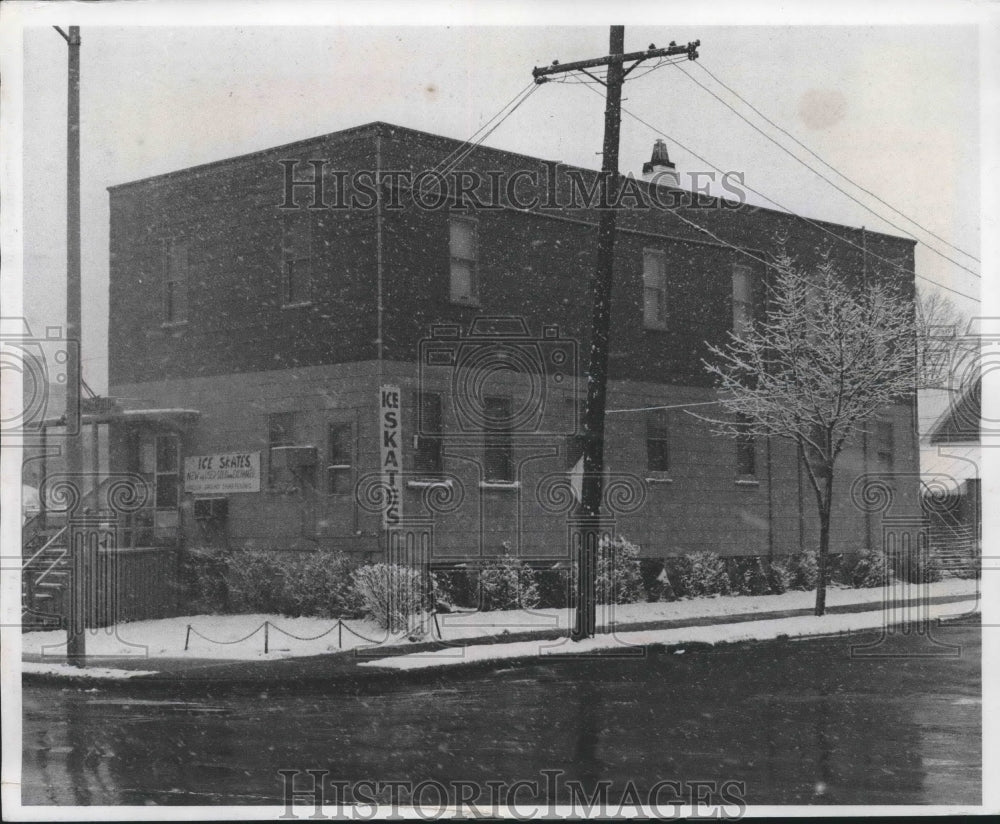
(619, 579)
(203, 581)
(778, 575)
(555, 587)
(916, 567)
(389, 593)
(803, 570)
(703, 573)
(319, 583)
(506, 582)
(256, 581)
(871, 568)
(749, 575)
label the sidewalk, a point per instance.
(371, 666)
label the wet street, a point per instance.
(797, 721)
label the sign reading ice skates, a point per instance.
(231, 472)
(390, 440)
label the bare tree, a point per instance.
(825, 359)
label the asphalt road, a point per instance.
(796, 721)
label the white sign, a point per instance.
(390, 453)
(230, 472)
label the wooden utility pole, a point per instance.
(76, 639)
(585, 620)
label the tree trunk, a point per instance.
(824, 543)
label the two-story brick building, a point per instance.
(257, 324)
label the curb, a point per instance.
(342, 672)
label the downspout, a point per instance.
(379, 373)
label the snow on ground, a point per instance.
(241, 637)
(761, 630)
(43, 668)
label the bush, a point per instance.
(256, 581)
(916, 568)
(871, 569)
(554, 587)
(703, 573)
(779, 577)
(750, 576)
(390, 593)
(203, 581)
(803, 570)
(319, 583)
(619, 579)
(506, 582)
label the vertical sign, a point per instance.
(391, 456)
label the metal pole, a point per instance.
(585, 623)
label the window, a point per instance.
(340, 463)
(742, 299)
(657, 441)
(654, 280)
(280, 432)
(175, 282)
(497, 464)
(746, 452)
(464, 274)
(167, 475)
(884, 440)
(296, 259)
(428, 457)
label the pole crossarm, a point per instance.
(541, 73)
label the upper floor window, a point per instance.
(464, 258)
(742, 299)
(746, 451)
(296, 259)
(657, 441)
(428, 454)
(175, 282)
(654, 280)
(340, 464)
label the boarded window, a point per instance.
(464, 255)
(498, 464)
(296, 259)
(340, 459)
(657, 441)
(175, 282)
(428, 457)
(742, 299)
(654, 279)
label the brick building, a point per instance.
(254, 323)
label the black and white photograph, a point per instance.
(480, 410)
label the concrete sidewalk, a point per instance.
(342, 670)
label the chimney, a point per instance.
(660, 170)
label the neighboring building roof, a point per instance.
(961, 423)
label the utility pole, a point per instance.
(585, 619)
(76, 638)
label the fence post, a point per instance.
(187, 637)
(266, 636)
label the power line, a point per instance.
(816, 225)
(825, 178)
(829, 166)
